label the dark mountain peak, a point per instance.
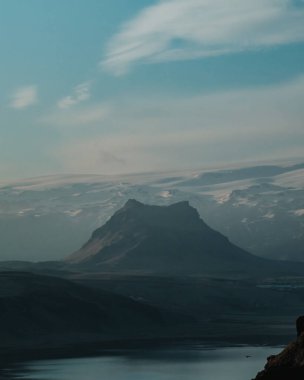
(135, 204)
(181, 207)
(132, 203)
(181, 204)
(160, 239)
(136, 215)
(172, 240)
(184, 209)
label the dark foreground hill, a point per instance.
(169, 240)
(288, 364)
(47, 312)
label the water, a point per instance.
(195, 363)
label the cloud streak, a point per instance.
(175, 30)
(24, 97)
(80, 93)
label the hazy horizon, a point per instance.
(186, 170)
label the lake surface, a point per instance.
(191, 363)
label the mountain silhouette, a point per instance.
(167, 240)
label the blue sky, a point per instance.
(90, 86)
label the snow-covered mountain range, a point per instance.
(259, 208)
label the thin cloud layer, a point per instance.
(175, 30)
(80, 94)
(24, 97)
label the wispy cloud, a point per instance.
(80, 93)
(24, 97)
(186, 29)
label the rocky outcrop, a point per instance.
(289, 364)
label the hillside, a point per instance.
(49, 312)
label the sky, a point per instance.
(120, 86)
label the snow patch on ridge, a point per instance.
(269, 215)
(165, 194)
(299, 212)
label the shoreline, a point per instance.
(99, 348)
